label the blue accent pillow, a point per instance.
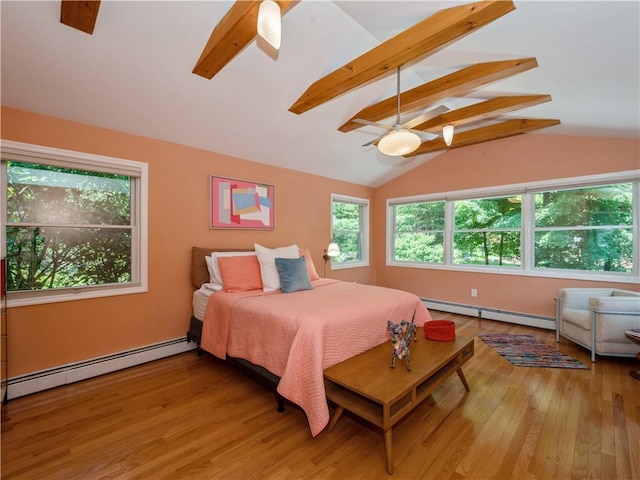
(293, 273)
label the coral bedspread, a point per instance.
(297, 335)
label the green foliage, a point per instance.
(419, 232)
(572, 229)
(420, 217)
(487, 231)
(419, 247)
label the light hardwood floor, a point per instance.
(190, 417)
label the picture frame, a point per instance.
(241, 204)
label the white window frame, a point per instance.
(527, 192)
(38, 154)
(363, 203)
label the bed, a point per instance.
(290, 337)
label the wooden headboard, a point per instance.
(199, 270)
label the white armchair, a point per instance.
(597, 318)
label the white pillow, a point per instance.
(267, 259)
(213, 283)
(215, 277)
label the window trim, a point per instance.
(86, 161)
(527, 190)
(365, 210)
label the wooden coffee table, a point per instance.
(366, 386)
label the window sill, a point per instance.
(22, 300)
(342, 266)
(612, 277)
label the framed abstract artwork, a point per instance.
(239, 204)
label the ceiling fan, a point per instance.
(402, 139)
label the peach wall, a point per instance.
(52, 335)
(520, 159)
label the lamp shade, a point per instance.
(399, 142)
(269, 23)
(447, 134)
(333, 250)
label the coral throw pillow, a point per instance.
(311, 268)
(240, 274)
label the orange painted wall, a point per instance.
(520, 159)
(52, 335)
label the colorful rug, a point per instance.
(527, 351)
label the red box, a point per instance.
(440, 330)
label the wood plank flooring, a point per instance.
(190, 417)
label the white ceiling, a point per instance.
(134, 74)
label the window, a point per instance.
(584, 228)
(487, 232)
(75, 224)
(350, 230)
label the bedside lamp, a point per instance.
(333, 250)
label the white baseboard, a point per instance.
(55, 377)
(451, 307)
(518, 318)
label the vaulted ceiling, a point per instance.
(195, 73)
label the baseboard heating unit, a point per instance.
(74, 372)
(518, 318)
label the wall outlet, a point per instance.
(474, 292)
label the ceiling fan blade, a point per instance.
(372, 142)
(425, 136)
(434, 112)
(374, 124)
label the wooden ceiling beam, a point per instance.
(80, 14)
(455, 84)
(234, 32)
(496, 131)
(481, 111)
(424, 38)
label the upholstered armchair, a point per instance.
(597, 318)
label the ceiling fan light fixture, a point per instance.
(447, 134)
(270, 23)
(399, 142)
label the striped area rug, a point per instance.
(528, 351)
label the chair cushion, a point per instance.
(579, 318)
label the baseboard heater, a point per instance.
(74, 372)
(518, 318)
